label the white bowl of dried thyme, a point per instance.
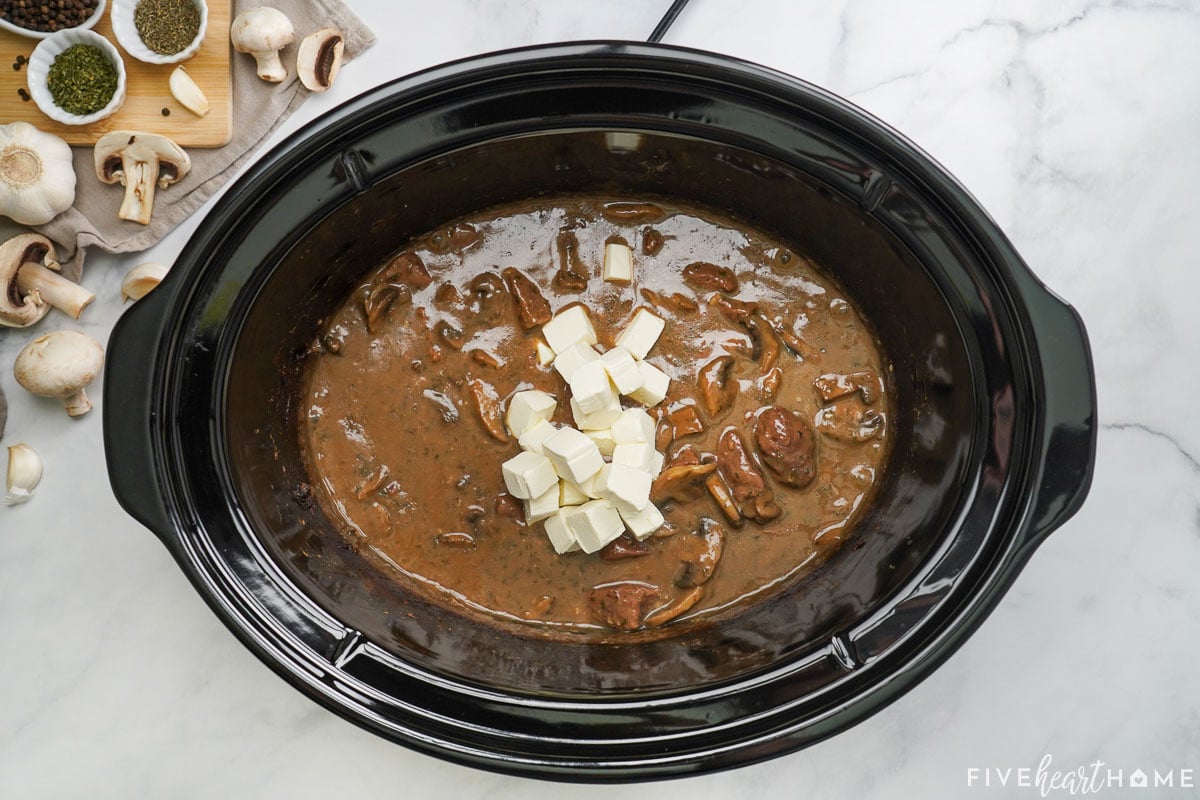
(160, 31)
(76, 77)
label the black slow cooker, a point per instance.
(995, 424)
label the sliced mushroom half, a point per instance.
(139, 161)
(319, 58)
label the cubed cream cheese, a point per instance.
(572, 455)
(559, 533)
(656, 467)
(654, 387)
(595, 524)
(569, 494)
(643, 523)
(573, 358)
(618, 263)
(569, 327)
(593, 486)
(545, 355)
(604, 440)
(535, 435)
(640, 334)
(542, 506)
(591, 389)
(627, 488)
(622, 370)
(599, 420)
(634, 425)
(639, 455)
(528, 475)
(622, 141)
(526, 408)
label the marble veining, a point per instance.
(1073, 122)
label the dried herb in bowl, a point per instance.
(167, 26)
(82, 80)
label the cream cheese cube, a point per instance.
(528, 475)
(569, 494)
(599, 420)
(573, 358)
(622, 370)
(595, 524)
(639, 455)
(569, 327)
(641, 333)
(654, 389)
(634, 425)
(526, 408)
(627, 488)
(593, 487)
(542, 506)
(572, 455)
(656, 467)
(559, 533)
(643, 523)
(533, 438)
(618, 263)
(603, 439)
(591, 389)
(545, 355)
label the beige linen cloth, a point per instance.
(258, 107)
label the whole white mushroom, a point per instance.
(61, 364)
(263, 32)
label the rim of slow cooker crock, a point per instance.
(326, 680)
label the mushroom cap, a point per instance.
(59, 363)
(261, 30)
(16, 311)
(117, 147)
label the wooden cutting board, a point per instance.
(146, 90)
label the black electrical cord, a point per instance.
(660, 30)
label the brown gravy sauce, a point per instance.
(404, 464)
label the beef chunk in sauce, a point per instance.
(787, 446)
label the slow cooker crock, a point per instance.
(995, 412)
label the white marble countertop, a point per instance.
(1075, 124)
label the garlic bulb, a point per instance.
(24, 473)
(37, 178)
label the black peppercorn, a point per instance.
(47, 17)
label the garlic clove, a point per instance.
(188, 92)
(24, 474)
(141, 280)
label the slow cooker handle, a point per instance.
(1069, 436)
(130, 417)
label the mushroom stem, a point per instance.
(77, 403)
(140, 178)
(67, 296)
(270, 67)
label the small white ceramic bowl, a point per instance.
(126, 32)
(38, 71)
(87, 24)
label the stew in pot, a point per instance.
(738, 402)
